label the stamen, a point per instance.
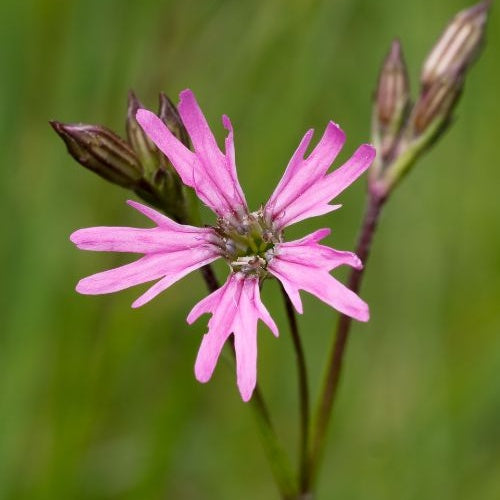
(248, 242)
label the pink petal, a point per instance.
(290, 288)
(245, 341)
(147, 268)
(236, 308)
(157, 217)
(300, 211)
(183, 160)
(206, 305)
(220, 326)
(318, 235)
(245, 345)
(231, 159)
(139, 240)
(301, 173)
(174, 265)
(345, 175)
(172, 277)
(264, 313)
(221, 168)
(211, 173)
(296, 161)
(305, 189)
(305, 265)
(307, 252)
(171, 251)
(315, 201)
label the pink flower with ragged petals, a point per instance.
(250, 242)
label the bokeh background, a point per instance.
(98, 401)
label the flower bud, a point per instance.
(435, 106)
(393, 92)
(442, 79)
(157, 168)
(445, 69)
(103, 152)
(167, 176)
(137, 164)
(392, 99)
(458, 46)
(170, 117)
(159, 172)
(148, 154)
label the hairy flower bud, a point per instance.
(392, 99)
(102, 151)
(458, 46)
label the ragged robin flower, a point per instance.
(251, 243)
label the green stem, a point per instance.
(278, 459)
(303, 392)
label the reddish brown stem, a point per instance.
(332, 377)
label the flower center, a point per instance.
(249, 243)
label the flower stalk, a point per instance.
(278, 459)
(303, 386)
(335, 362)
(402, 136)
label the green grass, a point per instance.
(98, 401)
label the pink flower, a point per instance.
(250, 242)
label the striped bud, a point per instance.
(392, 99)
(101, 151)
(170, 116)
(458, 46)
(148, 154)
(437, 103)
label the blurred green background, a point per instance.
(99, 401)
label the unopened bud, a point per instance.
(157, 168)
(148, 154)
(393, 92)
(458, 46)
(392, 98)
(137, 164)
(442, 79)
(436, 104)
(158, 171)
(170, 116)
(100, 150)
